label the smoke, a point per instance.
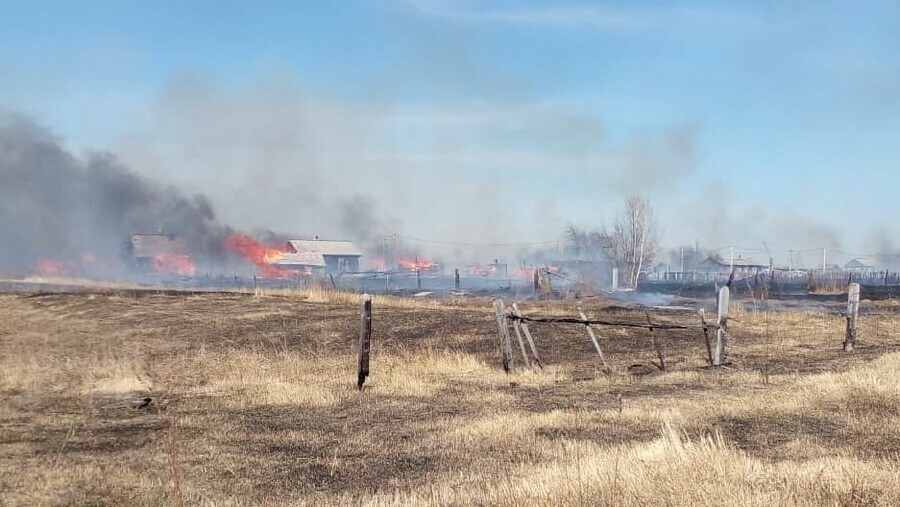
(716, 220)
(56, 205)
(276, 153)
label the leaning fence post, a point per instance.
(852, 316)
(503, 334)
(365, 339)
(721, 333)
(590, 332)
(709, 353)
(524, 326)
(515, 324)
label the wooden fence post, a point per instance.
(594, 339)
(503, 334)
(528, 337)
(721, 332)
(656, 345)
(709, 353)
(852, 316)
(365, 340)
(456, 278)
(516, 324)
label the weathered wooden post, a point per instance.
(656, 345)
(503, 334)
(709, 353)
(524, 326)
(852, 316)
(365, 339)
(418, 280)
(615, 279)
(590, 332)
(456, 278)
(525, 360)
(721, 332)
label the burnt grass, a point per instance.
(252, 452)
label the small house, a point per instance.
(716, 264)
(158, 253)
(861, 265)
(332, 256)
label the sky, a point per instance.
(755, 125)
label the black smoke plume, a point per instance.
(56, 205)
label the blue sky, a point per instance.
(743, 122)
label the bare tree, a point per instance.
(587, 245)
(633, 243)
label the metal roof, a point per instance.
(311, 259)
(862, 262)
(325, 247)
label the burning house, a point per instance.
(317, 254)
(159, 253)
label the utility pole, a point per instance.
(824, 259)
(790, 260)
(731, 249)
(682, 260)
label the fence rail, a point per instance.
(744, 334)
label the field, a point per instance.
(254, 402)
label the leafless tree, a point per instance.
(587, 244)
(633, 243)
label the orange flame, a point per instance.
(51, 267)
(417, 264)
(479, 270)
(170, 263)
(261, 256)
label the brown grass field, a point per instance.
(254, 402)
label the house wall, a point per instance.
(336, 263)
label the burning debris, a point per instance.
(160, 254)
(418, 265)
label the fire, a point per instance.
(479, 270)
(51, 267)
(416, 264)
(170, 263)
(378, 264)
(261, 256)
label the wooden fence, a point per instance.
(716, 335)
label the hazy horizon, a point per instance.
(761, 127)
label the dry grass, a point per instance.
(254, 403)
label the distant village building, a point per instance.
(716, 264)
(317, 254)
(145, 251)
(861, 265)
